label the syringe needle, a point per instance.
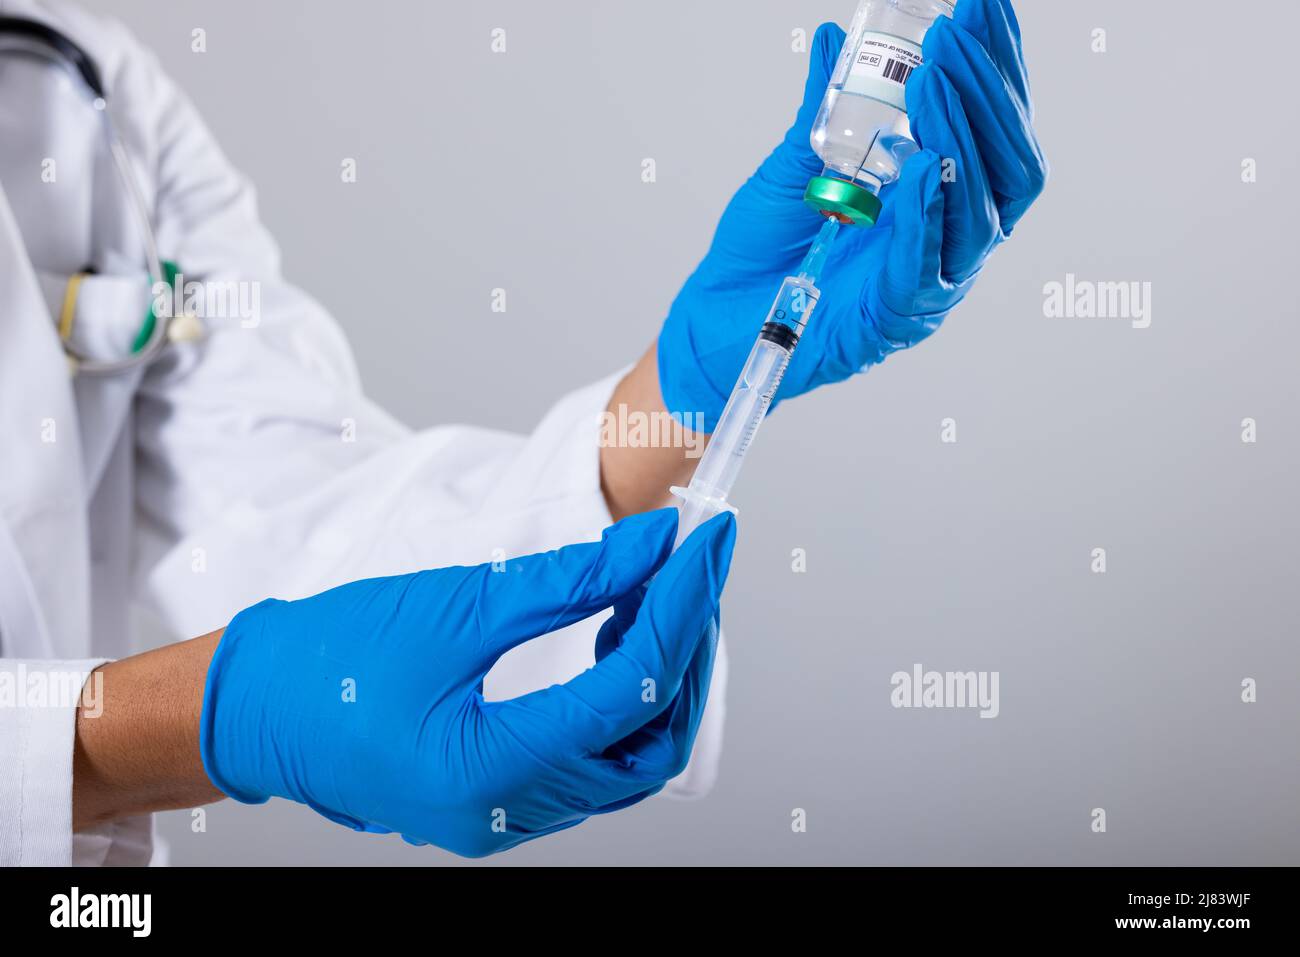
(813, 263)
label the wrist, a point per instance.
(639, 462)
(138, 751)
(234, 712)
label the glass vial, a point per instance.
(861, 132)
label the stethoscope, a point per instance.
(38, 40)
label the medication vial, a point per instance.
(861, 132)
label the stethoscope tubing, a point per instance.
(43, 41)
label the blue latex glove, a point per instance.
(417, 750)
(886, 287)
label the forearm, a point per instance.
(635, 477)
(140, 752)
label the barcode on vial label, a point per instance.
(898, 71)
(881, 69)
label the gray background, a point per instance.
(1120, 690)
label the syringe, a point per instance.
(753, 393)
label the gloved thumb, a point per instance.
(522, 598)
(794, 160)
(634, 683)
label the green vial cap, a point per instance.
(840, 197)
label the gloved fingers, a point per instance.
(994, 24)
(513, 838)
(639, 679)
(628, 801)
(660, 751)
(971, 219)
(998, 109)
(608, 638)
(908, 298)
(600, 785)
(539, 594)
(794, 160)
(616, 626)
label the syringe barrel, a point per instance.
(793, 306)
(754, 390)
(720, 466)
(740, 420)
(753, 393)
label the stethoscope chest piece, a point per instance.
(185, 328)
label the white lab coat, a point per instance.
(219, 475)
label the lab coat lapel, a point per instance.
(44, 561)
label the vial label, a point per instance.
(881, 68)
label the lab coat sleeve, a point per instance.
(263, 469)
(38, 724)
(38, 711)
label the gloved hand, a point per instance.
(365, 702)
(885, 287)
